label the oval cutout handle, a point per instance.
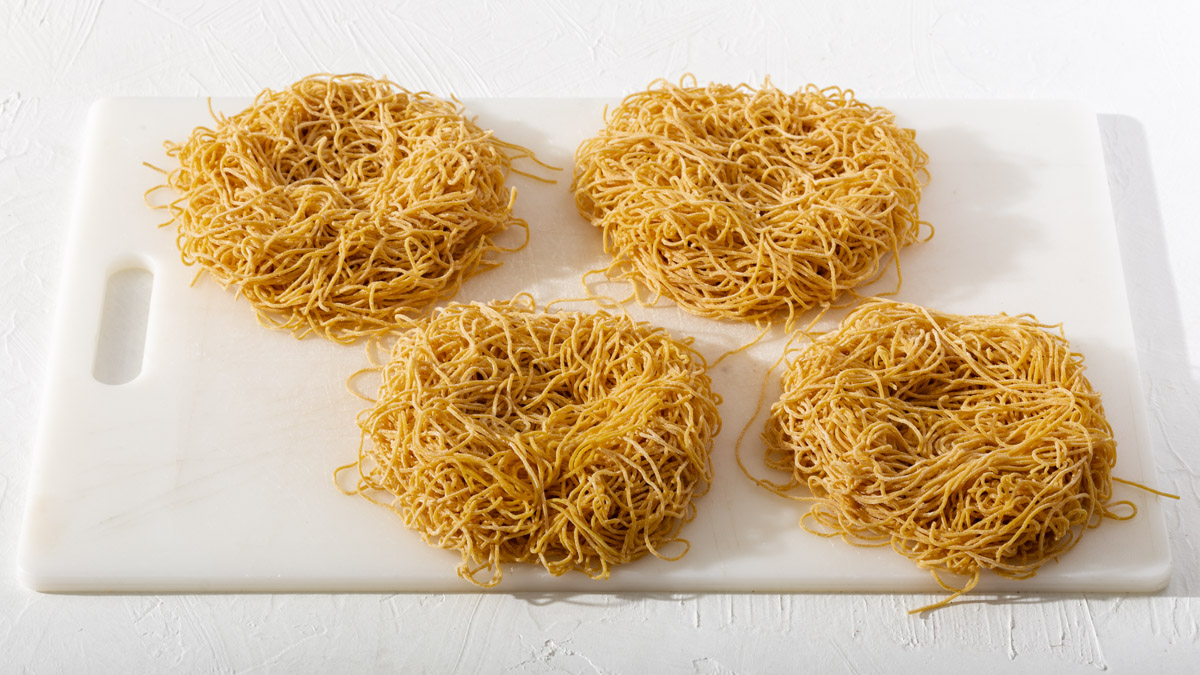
(121, 343)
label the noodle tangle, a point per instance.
(739, 203)
(342, 203)
(576, 441)
(964, 442)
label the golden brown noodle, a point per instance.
(573, 440)
(741, 203)
(964, 442)
(342, 203)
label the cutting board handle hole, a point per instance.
(122, 340)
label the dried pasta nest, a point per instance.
(576, 441)
(964, 442)
(342, 203)
(741, 203)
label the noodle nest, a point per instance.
(739, 203)
(342, 203)
(573, 440)
(964, 442)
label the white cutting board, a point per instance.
(212, 469)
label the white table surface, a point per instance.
(1135, 63)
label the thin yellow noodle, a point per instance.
(342, 203)
(572, 440)
(742, 203)
(966, 443)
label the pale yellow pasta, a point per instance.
(743, 203)
(966, 443)
(342, 203)
(572, 440)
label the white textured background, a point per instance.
(1136, 63)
